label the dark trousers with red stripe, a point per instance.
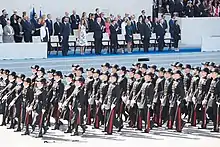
(91, 109)
(156, 110)
(78, 120)
(179, 121)
(133, 115)
(190, 107)
(171, 117)
(212, 112)
(99, 117)
(144, 114)
(196, 114)
(112, 121)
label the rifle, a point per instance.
(147, 124)
(3, 90)
(14, 100)
(5, 97)
(217, 119)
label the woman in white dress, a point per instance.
(82, 36)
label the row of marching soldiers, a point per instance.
(111, 97)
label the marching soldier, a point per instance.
(74, 67)
(178, 94)
(105, 67)
(38, 107)
(79, 72)
(78, 102)
(152, 69)
(199, 95)
(144, 103)
(66, 110)
(136, 66)
(40, 73)
(212, 99)
(174, 66)
(58, 90)
(143, 69)
(114, 68)
(27, 99)
(158, 93)
(33, 77)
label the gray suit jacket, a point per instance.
(8, 34)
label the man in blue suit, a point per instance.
(49, 25)
(28, 29)
(65, 32)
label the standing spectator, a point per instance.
(44, 33)
(57, 28)
(189, 9)
(18, 29)
(111, 17)
(91, 23)
(65, 32)
(98, 29)
(66, 16)
(150, 22)
(107, 26)
(216, 10)
(75, 20)
(171, 8)
(103, 20)
(97, 13)
(123, 25)
(164, 21)
(139, 24)
(14, 17)
(129, 35)
(119, 22)
(145, 35)
(82, 36)
(197, 10)
(171, 24)
(28, 29)
(8, 33)
(142, 16)
(1, 33)
(113, 36)
(176, 35)
(35, 22)
(179, 7)
(3, 18)
(49, 24)
(160, 32)
(133, 24)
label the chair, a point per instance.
(106, 40)
(137, 40)
(36, 39)
(121, 40)
(90, 40)
(168, 39)
(153, 40)
(54, 41)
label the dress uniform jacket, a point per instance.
(158, 90)
(58, 90)
(187, 81)
(167, 93)
(95, 89)
(130, 85)
(88, 87)
(135, 89)
(103, 91)
(39, 100)
(193, 87)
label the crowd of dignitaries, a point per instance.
(18, 28)
(113, 96)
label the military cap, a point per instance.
(115, 66)
(206, 70)
(42, 80)
(205, 63)
(179, 65)
(114, 75)
(1, 71)
(13, 74)
(162, 69)
(153, 66)
(75, 65)
(197, 68)
(35, 67)
(138, 72)
(149, 74)
(106, 65)
(216, 70)
(178, 72)
(217, 66)
(90, 69)
(97, 71)
(58, 73)
(169, 70)
(28, 80)
(6, 72)
(174, 64)
(80, 79)
(51, 71)
(137, 64)
(212, 64)
(105, 73)
(123, 68)
(21, 76)
(187, 66)
(131, 70)
(80, 69)
(69, 75)
(42, 70)
(144, 66)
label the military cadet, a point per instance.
(178, 94)
(49, 89)
(66, 109)
(114, 68)
(38, 107)
(78, 102)
(143, 69)
(58, 90)
(74, 67)
(133, 97)
(105, 67)
(7, 98)
(102, 97)
(136, 66)
(205, 64)
(110, 104)
(40, 73)
(27, 99)
(144, 103)
(199, 95)
(174, 66)
(79, 72)
(187, 107)
(212, 100)
(152, 69)
(190, 93)
(33, 77)
(211, 66)
(158, 92)
(16, 103)
(167, 94)
(122, 82)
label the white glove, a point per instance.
(29, 109)
(112, 106)
(128, 102)
(178, 103)
(124, 98)
(90, 100)
(97, 102)
(43, 110)
(100, 101)
(194, 100)
(204, 102)
(60, 105)
(103, 107)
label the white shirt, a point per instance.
(43, 32)
(123, 31)
(1, 30)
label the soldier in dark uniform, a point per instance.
(40, 73)
(79, 72)
(178, 94)
(7, 98)
(78, 102)
(33, 77)
(17, 101)
(212, 99)
(88, 89)
(187, 109)
(58, 90)
(27, 99)
(211, 66)
(105, 67)
(144, 103)
(199, 95)
(167, 94)
(38, 107)
(49, 89)
(205, 64)
(136, 66)
(122, 82)
(74, 67)
(152, 69)
(174, 66)
(158, 93)
(143, 69)
(66, 110)
(133, 97)
(110, 104)
(114, 68)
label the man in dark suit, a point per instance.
(113, 36)
(57, 28)
(145, 32)
(97, 13)
(14, 17)
(74, 19)
(28, 29)
(3, 18)
(143, 16)
(66, 16)
(98, 30)
(36, 24)
(49, 23)
(160, 32)
(65, 32)
(119, 22)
